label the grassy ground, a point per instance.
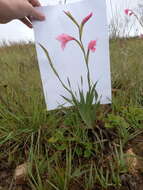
(59, 151)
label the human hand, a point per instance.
(20, 9)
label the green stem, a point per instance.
(86, 56)
(88, 71)
(72, 19)
(80, 43)
(53, 68)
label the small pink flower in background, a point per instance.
(129, 12)
(92, 45)
(64, 39)
(141, 36)
(86, 18)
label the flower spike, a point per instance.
(86, 18)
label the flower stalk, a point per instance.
(85, 104)
(80, 43)
(130, 12)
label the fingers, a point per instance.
(36, 14)
(4, 21)
(34, 3)
(27, 22)
(33, 13)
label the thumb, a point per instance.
(36, 14)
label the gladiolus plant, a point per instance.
(86, 104)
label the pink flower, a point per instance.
(86, 18)
(91, 45)
(129, 12)
(64, 39)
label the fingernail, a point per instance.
(42, 17)
(30, 26)
(38, 5)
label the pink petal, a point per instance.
(64, 39)
(92, 45)
(86, 18)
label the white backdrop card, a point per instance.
(59, 35)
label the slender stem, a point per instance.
(53, 68)
(88, 52)
(80, 43)
(72, 19)
(86, 56)
(80, 32)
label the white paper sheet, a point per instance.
(69, 63)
